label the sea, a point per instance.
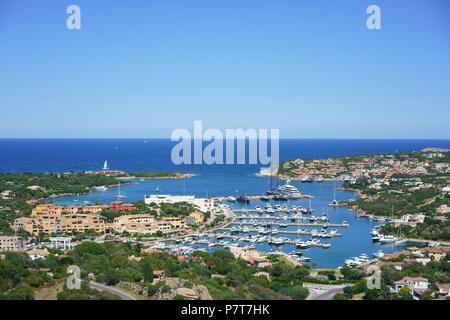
(134, 155)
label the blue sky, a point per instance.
(144, 68)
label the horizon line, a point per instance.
(224, 138)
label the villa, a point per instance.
(444, 289)
(38, 254)
(416, 285)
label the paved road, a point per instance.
(121, 294)
(318, 292)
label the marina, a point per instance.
(310, 212)
(326, 235)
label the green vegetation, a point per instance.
(38, 186)
(430, 229)
(19, 276)
(224, 276)
(434, 271)
(179, 209)
(157, 174)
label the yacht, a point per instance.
(303, 259)
(231, 199)
(265, 198)
(302, 244)
(289, 190)
(375, 231)
(334, 202)
(119, 196)
(243, 199)
(105, 166)
(378, 254)
(278, 241)
(400, 241)
(387, 239)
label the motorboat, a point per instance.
(387, 239)
(378, 254)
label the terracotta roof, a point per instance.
(395, 255)
(444, 286)
(403, 281)
(158, 272)
(42, 252)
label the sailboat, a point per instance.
(309, 210)
(105, 166)
(400, 239)
(118, 193)
(334, 202)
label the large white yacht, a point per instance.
(288, 189)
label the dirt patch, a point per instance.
(49, 292)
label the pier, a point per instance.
(265, 211)
(298, 224)
(283, 218)
(296, 232)
(271, 197)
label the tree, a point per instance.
(147, 270)
(371, 294)
(348, 291)
(112, 277)
(340, 296)
(403, 294)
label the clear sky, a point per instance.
(144, 68)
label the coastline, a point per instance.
(179, 176)
(84, 193)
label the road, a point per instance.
(323, 292)
(121, 294)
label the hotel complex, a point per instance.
(202, 204)
(74, 219)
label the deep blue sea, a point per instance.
(61, 155)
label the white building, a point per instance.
(444, 289)
(416, 283)
(38, 254)
(64, 243)
(201, 204)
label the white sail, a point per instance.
(118, 193)
(105, 166)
